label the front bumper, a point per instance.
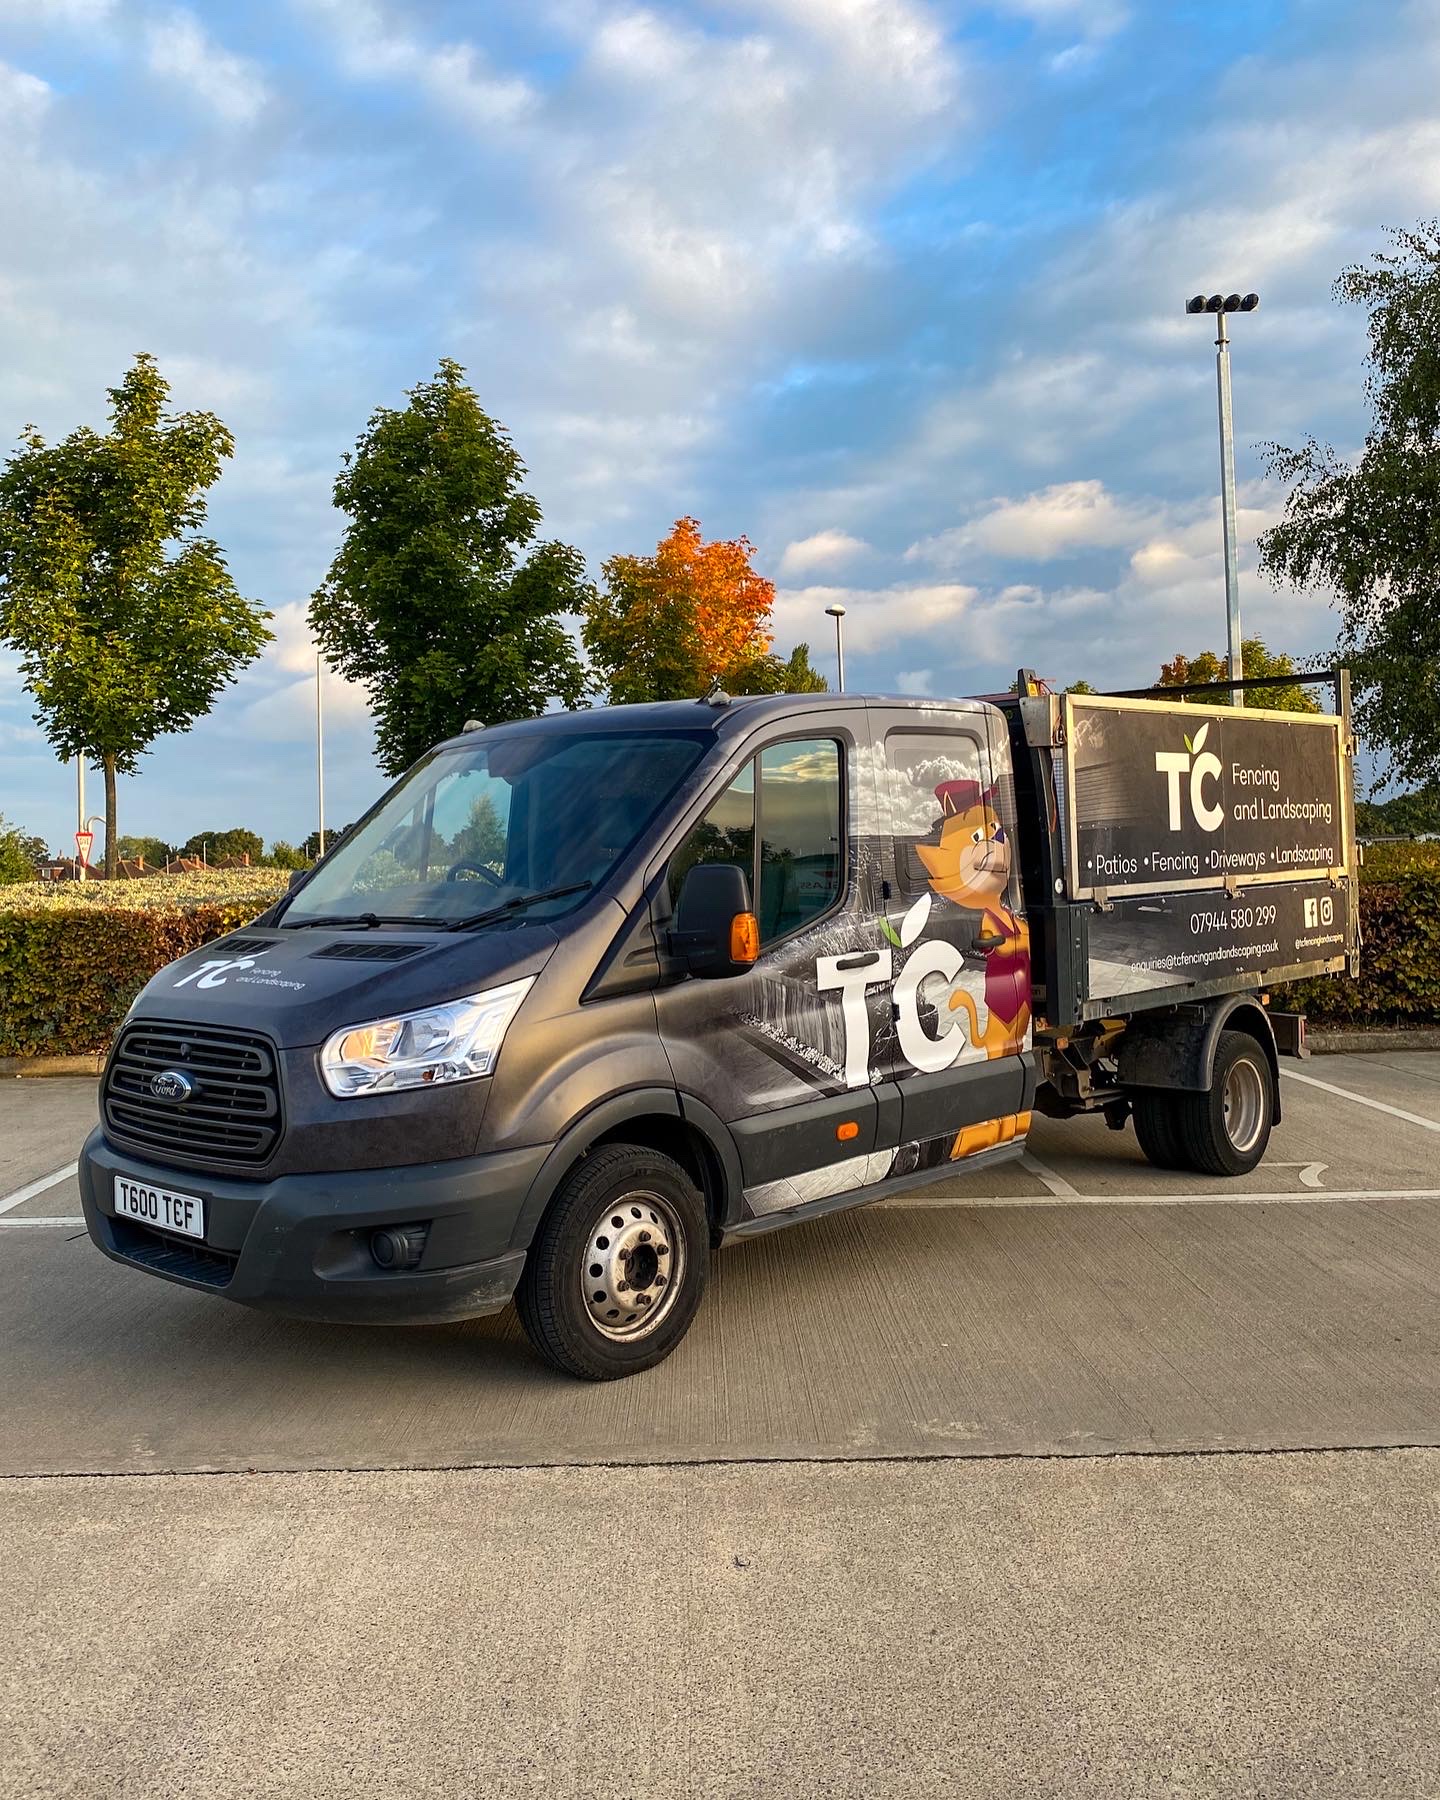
(299, 1244)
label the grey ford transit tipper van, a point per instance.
(584, 996)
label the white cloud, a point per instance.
(821, 551)
(23, 97)
(876, 618)
(229, 86)
(458, 75)
(55, 12)
(1069, 516)
(1093, 18)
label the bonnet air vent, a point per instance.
(388, 953)
(246, 946)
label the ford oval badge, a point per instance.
(170, 1084)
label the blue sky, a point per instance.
(892, 286)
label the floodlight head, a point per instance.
(1196, 304)
(1249, 303)
(1232, 303)
(1216, 303)
(837, 611)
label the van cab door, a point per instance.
(783, 1054)
(954, 917)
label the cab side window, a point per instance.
(801, 842)
(725, 835)
(796, 864)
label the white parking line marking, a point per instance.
(21, 1195)
(1395, 1112)
(19, 1224)
(1216, 1197)
(1057, 1184)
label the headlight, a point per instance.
(454, 1042)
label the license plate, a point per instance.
(159, 1207)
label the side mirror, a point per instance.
(296, 877)
(715, 932)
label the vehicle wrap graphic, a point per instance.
(1164, 803)
(922, 969)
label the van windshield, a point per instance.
(499, 827)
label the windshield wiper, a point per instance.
(519, 903)
(369, 920)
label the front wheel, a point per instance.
(1225, 1131)
(618, 1265)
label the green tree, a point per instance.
(20, 853)
(281, 855)
(310, 849)
(440, 599)
(771, 674)
(1402, 815)
(218, 846)
(155, 851)
(1080, 687)
(1368, 529)
(1287, 696)
(121, 637)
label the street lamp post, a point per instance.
(837, 613)
(1220, 305)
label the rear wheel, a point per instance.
(618, 1265)
(1226, 1131)
(1157, 1127)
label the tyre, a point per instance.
(1225, 1131)
(1157, 1127)
(617, 1268)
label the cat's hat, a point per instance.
(962, 796)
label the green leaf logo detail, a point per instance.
(1188, 745)
(891, 933)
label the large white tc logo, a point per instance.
(860, 970)
(212, 974)
(1174, 764)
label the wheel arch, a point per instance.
(657, 1118)
(1177, 1050)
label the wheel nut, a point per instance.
(620, 1287)
(644, 1237)
(662, 1249)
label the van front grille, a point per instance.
(231, 1113)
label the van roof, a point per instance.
(745, 710)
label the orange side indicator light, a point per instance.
(850, 1129)
(744, 938)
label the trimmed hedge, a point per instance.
(73, 955)
(1399, 980)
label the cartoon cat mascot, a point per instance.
(971, 867)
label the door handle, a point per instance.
(859, 960)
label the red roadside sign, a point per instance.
(83, 841)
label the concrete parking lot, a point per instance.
(260, 1557)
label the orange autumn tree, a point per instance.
(667, 625)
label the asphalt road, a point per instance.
(905, 1558)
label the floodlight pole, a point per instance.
(1227, 509)
(837, 613)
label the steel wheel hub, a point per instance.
(1244, 1105)
(634, 1265)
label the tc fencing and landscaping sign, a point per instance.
(1163, 797)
